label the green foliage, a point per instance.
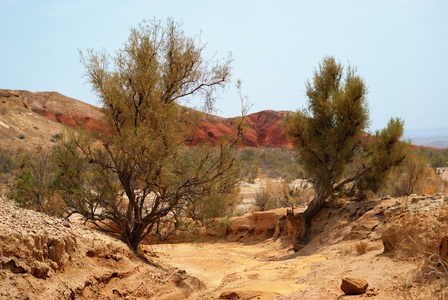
(140, 178)
(328, 136)
(34, 187)
(380, 154)
(7, 164)
(437, 158)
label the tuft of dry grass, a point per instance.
(362, 247)
(346, 251)
(420, 234)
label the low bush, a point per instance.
(279, 193)
(361, 248)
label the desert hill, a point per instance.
(30, 119)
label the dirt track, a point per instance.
(266, 270)
(256, 267)
(262, 268)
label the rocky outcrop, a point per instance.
(354, 286)
(42, 257)
(259, 224)
(415, 229)
(265, 130)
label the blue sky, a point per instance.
(400, 48)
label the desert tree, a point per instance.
(336, 155)
(139, 177)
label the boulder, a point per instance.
(354, 286)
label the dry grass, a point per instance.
(361, 248)
(421, 236)
(275, 194)
(346, 251)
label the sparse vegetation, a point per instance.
(437, 158)
(421, 237)
(328, 136)
(410, 177)
(35, 186)
(361, 248)
(279, 193)
(269, 162)
(143, 179)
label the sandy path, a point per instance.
(263, 268)
(266, 270)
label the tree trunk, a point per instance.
(134, 238)
(303, 235)
(134, 242)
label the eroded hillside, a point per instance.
(47, 258)
(28, 120)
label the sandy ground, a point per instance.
(47, 258)
(267, 270)
(233, 266)
(248, 266)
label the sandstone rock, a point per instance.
(354, 286)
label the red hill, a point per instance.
(265, 127)
(264, 130)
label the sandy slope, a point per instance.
(46, 258)
(255, 267)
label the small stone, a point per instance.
(372, 293)
(354, 286)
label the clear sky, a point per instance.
(399, 46)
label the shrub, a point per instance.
(361, 248)
(270, 162)
(413, 176)
(276, 194)
(421, 237)
(34, 186)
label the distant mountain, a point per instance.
(433, 137)
(437, 142)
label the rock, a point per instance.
(354, 286)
